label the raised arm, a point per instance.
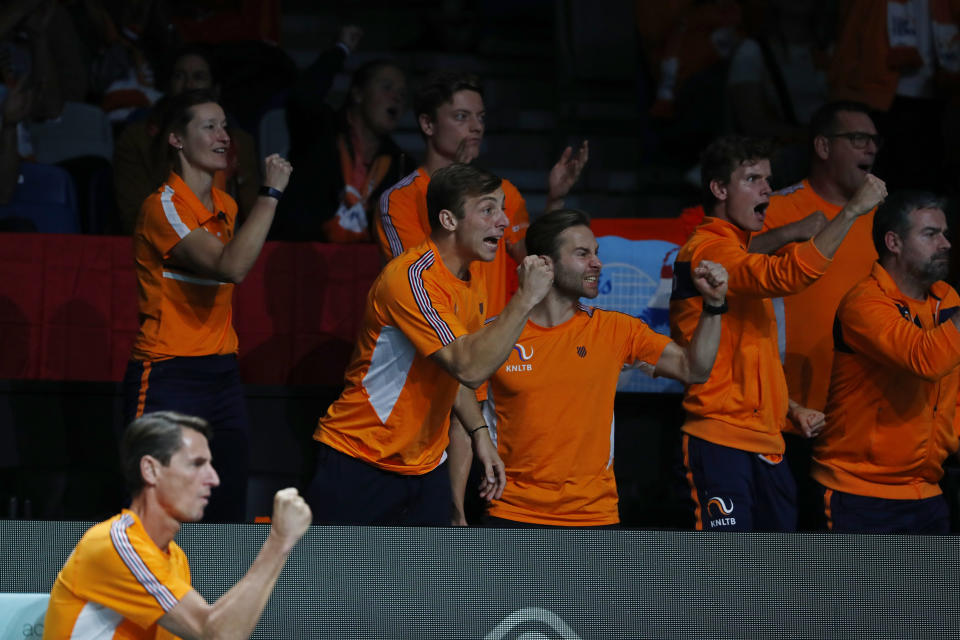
(565, 174)
(692, 364)
(237, 611)
(870, 194)
(205, 254)
(876, 329)
(472, 358)
(779, 237)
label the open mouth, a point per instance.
(761, 208)
(492, 241)
(866, 167)
(220, 150)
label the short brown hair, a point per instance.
(158, 434)
(721, 159)
(541, 238)
(451, 185)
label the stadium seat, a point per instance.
(274, 136)
(46, 197)
(81, 130)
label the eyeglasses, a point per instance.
(859, 139)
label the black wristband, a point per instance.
(270, 192)
(475, 429)
(715, 311)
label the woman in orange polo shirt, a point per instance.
(188, 259)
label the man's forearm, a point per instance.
(473, 358)
(775, 239)
(830, 239)
(702, 350)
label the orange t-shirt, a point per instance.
(402, 222)
(554, 405)
(181, 313)
(395, 410)
(117, 580)
(805, 319)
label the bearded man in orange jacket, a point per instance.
(893, 391)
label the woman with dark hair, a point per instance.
(140, 154)
(188, 257)
(346, 158)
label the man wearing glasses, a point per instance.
(844, 145)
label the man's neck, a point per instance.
(825, 187)
(159, 525)
(449, 255)
(434, 160)
(908, 284)
(555, 309)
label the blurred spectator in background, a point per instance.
(902, 59)
(687, 45)
(344, 158)
(777, 79)
(141, 158)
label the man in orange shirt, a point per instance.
(890, 413)
(844, 147)
(421, 352)
(732, 443)
(451, 113)
(127, 578)
(554, 395)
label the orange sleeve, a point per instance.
(401, 219)
(418, 306)
(764, 276)
(166, 221)
(874, 327)
(645, 344)
(131, 575)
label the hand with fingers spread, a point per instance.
(565, 174)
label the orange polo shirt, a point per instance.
(554, 405)
(181, 313)
(116, 584)
(402, 222)
(395, 410)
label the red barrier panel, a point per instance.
(68, 309)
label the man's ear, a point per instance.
(892, 242)
(426, 124)
(718, 189)
(448, 221)
(149, 469)
(821, 147)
